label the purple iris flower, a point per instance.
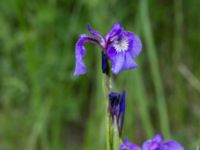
(158, 143)
(117, 108)
(128, 146)
(119, 46)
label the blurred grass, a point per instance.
(154, 65)
(42, 106)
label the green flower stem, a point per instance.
(108, 133)
(116, 137)
(107, 86)
(112, 134)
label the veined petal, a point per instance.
(171, 145)
(80, 67)
(129, 62)
(117, 62)
(115, 30)
(96, 34)
(122, 61)
(134, 43)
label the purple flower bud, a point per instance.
(120, 120)
(114, 104)
(105, 65)
(117, 108)
(119, 46)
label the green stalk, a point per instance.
(107, 88)
(108, 140)
(112, 134)
(116, 137)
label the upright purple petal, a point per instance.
(97, 34)
(135, 44)
(154, 143)
(171, 145)
(116, 30)
(157, 138)
(80, 67)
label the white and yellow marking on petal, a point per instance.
(121, 46)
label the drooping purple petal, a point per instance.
(97, 34)
(122, 61)
(171, 145)
(134, 44)
(128, 146)
(117, 62)
(129, 62)
(116, 30)
(80, 67)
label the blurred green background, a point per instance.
(42, 106)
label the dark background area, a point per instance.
(42, 106)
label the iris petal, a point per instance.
(154, 143)
(171, 145)
(80, 67)
(122, 61)
(96, 33)
(115, 30)
(135, 45)
(117, 63)
(122, 112)
(129, 62)
(129, 146)
(158, 138)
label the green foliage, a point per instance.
(42, 106)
